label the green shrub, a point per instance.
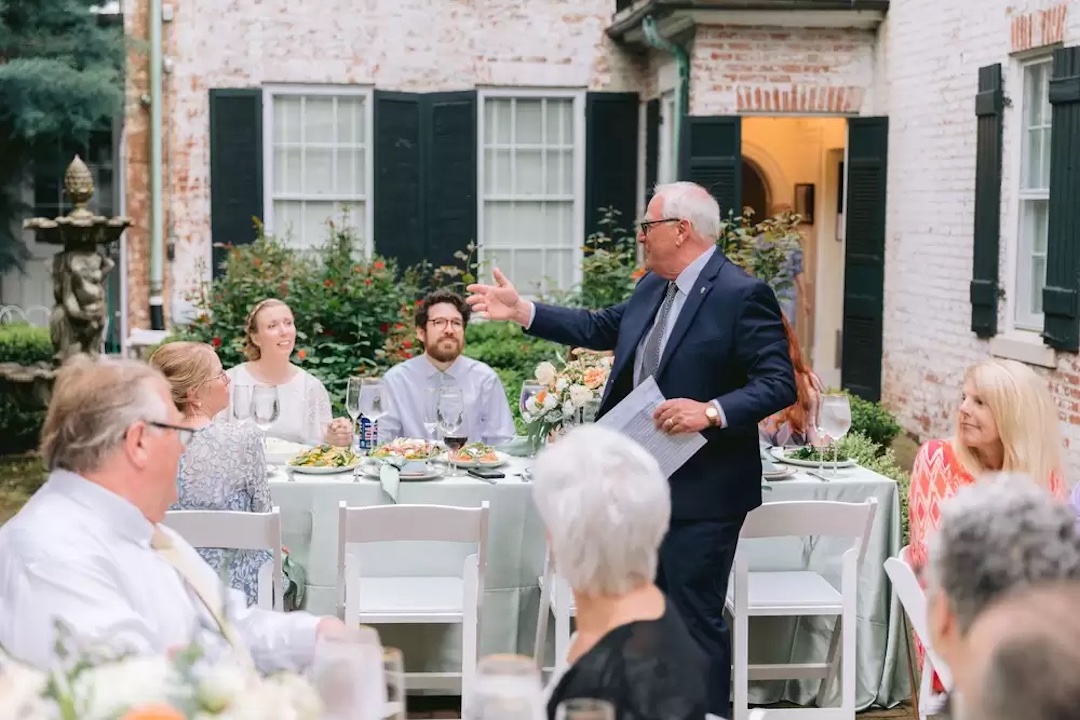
(873, 420)
(20, 416)
(873, 456)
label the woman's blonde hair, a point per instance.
(1026, 419)
(251, 350)
(186, 365)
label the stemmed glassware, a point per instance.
(265, 406)
(352, 404)
(450, 418)
(834, 420)
(241, 402)
(431, 413)
(372, 402)
(529, 390)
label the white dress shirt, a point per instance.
(304, 408)
(487, 412)
(81, 554)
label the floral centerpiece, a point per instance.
(100, 686)
(568, 387)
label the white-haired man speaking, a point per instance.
(88, 550)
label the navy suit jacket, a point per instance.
(727, 344)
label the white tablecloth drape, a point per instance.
(309, 506)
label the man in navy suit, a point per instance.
(712, 338)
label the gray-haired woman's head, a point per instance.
(606, 507)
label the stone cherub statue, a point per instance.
(78, 318)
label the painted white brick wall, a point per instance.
(934, 52)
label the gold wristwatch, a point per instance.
(712, 414)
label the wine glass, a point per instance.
(585, 709)
(241, 402)
(529, 390)
(450, 418)
(834, 419)
(347, 672)
(372, 405)
(506, 687)
(265, 406)
(352, 403)
(590, 410)
(431, 412)
(394, 674)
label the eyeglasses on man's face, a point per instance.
(441, 323)
(645, 225)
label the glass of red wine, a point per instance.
(450, 416)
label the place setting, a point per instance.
(832, 421)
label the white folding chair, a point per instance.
(913, 599)
(556, 598)
(799, 593)
(235, 530)
(411, 599)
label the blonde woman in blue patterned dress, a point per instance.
(224, 464)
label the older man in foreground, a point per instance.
(87, 550)
(1000, 536)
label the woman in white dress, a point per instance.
(305, 413)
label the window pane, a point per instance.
(350, 121)
(497, 172)
(559, 267)
(287, 122)
(529, 172)
(529, 122)
(319, 119)
(1032, 99)
(349, 178)
(287, 171)
(1031, 261)
(318, 171)
(529, 270)
(1038, 282)
(498, 120)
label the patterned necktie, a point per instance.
(651, 362)
(164, 546)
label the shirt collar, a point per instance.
(451, 372)
(689, 276)
(119, 515)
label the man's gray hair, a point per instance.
(94, 402)
(1001, 534)
(693, 203)
(606, 507)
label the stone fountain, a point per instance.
(80, 313)
(78, 320)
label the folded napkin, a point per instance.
(390, 477)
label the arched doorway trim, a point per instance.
(778, 190)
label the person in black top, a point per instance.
(606, 508)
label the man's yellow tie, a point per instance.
(164, 546)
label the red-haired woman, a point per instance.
(796, 425)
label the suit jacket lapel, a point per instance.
(693, 303)
(639, 314)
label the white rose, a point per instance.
(545, 373)
(579, 395)
(109, 690)
(550, 401)
(560, 384)
(568, 408)
(221, 687)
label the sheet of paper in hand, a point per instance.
(633, 417)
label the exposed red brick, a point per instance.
(1038, 28)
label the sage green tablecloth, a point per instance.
(309, 506)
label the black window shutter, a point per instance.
(236, 168)
(450, 136)
(399, 207)
(711, 156)
(864, 256)
(611, 158)
(988, 138)
(652, 147)
(1061, 321)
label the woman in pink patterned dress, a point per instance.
(1007, 422)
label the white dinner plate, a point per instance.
(780, 474)
(781, 455)
(308, 470)
(431, 472)
(503, 459)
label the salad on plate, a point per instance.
(475, 453)
(406, 449)
(326, 456)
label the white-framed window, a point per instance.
(667, 169)
(532, 181)
(1033, 194)
(317, 161)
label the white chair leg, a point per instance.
(848, 657)
(832, 658)
(470, 634)
(266, 586)
(740, 661)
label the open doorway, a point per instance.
(793, 163)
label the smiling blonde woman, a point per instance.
(1007, 422)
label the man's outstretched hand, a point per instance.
(500, 301)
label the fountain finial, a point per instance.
(79, 186)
